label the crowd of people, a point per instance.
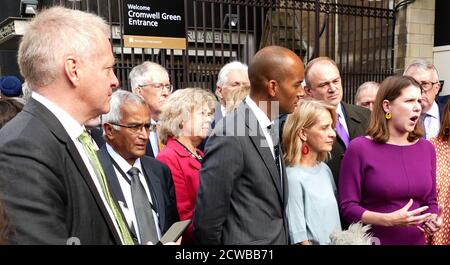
(273, 157)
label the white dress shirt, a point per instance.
(74, 130)
(127, 206)
(263, 121)
(153, 139)
(223, 110)
(432, 121)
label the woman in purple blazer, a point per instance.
(388, 178)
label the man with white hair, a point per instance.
(151, 81)
(231, 76)
(366, 94)
(142, 186)
(426, 75)
(51, 182)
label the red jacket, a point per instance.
(186, 177)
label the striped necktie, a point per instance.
(86, 140)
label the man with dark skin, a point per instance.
(126, 129)
(243, 201)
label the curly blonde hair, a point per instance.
(178, 110)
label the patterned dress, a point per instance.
(442, 237)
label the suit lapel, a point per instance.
(257, 138)
(154, 184)
(40, 111)
(353, 122)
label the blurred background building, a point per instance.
(369, 39)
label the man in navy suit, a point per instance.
(126, 129)
(426, 75)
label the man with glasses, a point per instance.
(426, 75)
(231, 76)
(151, 82)
(142, 186)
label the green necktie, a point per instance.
(86, 140)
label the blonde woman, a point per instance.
(312, 207)
(185, 121)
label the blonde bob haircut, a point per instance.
(304, 116)
(390, 89)
(178, 109)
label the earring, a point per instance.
(305, 149)
(388, 115)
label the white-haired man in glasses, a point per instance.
(151, 81)
(426, 75)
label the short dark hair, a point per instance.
(9, 108)
(390, 89)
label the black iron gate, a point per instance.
(357, 34)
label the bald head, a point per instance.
(276, 74)
(323, 81)
(272, 63)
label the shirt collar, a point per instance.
(434, 110)
(72, 127)
(339, 111)
(123, 164)
(223, 110)
(262, 118)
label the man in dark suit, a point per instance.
(49, 185)
(126, 129)
(151, 81)
(243, 192)
(426, 75)
(323, 82)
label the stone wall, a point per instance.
(414, 32)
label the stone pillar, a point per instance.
(414, 33)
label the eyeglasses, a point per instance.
(428, 85)
(135, 127)
(160, 86)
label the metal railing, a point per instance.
(357, 34)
